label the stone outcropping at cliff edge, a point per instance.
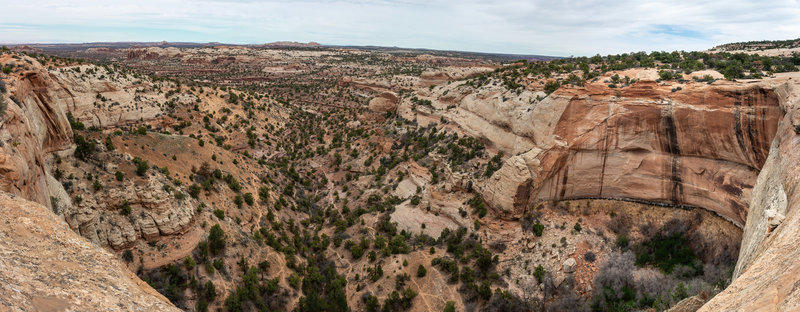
(45, 266)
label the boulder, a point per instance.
(569, 265)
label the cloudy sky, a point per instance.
(562, 28)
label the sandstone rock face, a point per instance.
(99, 97)
(33, 125)
(727, 147)
(385, 102)
(47, 267)
(154, 213)
(767, 272)
(702, 146)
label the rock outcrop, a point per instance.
(729, 147)
(701, 146)
(384, 102)
(45, 266)
(154, 212)
(34, 124)
(766, 274)
(100, 97)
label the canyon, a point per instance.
(720, 152)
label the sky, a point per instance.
(557, 28)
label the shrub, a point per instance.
(539, 273)
(119, 175)
(84, 148)
(74, 124)
(220, 214)
(551, 86)
(667, 252)
(665, 75)
(478, 206)
(622, 241)
(263, 194)
(371, 303)
(620, 224)
(538, 229)
(142, 130)
(294, 280)
(216, 239)
(194, 190)
(589, 256)
(614, 288)
(421, 271)
(141, 166)
(125, 209)
(109, 144)
(127, 256)
(248, 198)
(189, 262)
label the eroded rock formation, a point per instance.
(766, 274)
(728, 147)
(46, 266)
(701, 146)
(34, 125)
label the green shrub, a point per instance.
(666, 75)
(551, 86)
(539, 273)
(538, 228)
(84, 148)
(141, 166)
(216, 239)
(125, 209)
(421, 271)
(248, 198)
(109, 144)
(666, 252)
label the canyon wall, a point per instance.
(729, 147)
(34, 125)
(766, 274)
(47, 266)
(700, 146)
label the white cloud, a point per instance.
(526, 27)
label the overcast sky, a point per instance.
(560, 28)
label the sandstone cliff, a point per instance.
(701, 146)
(766, 273)
(728, 147)
(34, 131)
(46, 266)
(34, 125)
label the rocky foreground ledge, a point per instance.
(45, 266)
